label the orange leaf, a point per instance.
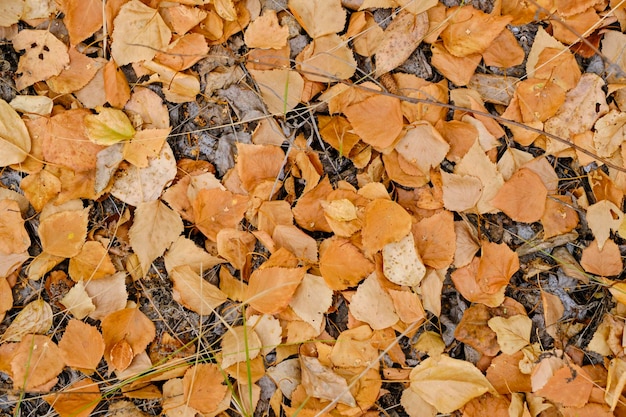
(504, 51)
(36, 361)
(522, 197)
(569, 386)
(76, 400)
(203, 388)
(308, 211)
(385, 222)
(342, 265)
(92, 262)
(366, 118)
(403, 35)
(474, 330)
(63, 233)
(497, 265)
(505, 375)
(193, 292)
(471, 31)
(605, 262)
(116, 88)
(82, 346)
(13, 235)
(235, 246)
(126, 332)
(82, 18)
(459, 70)
(559, 217)
(297, 242)
(258, 163)
(271, 289)
(216, 209)
(435, 239)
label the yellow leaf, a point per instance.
(193, 292)
(513, 333)
(109, 126)
(373, 305)
(402, 264)
(239, 344)
(319, 17)
(35, 317)
(45, 56)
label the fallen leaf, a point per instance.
(15, 142)
(373, 305)
(505, 375)
(139, 32)
(522, 197)
(235, 246)
(108, 127)
(569, 386)
(45, 56)
(271, 289)
(78, 302)
(402, 263)
(281, 89)
(82, 346)
(35, 318)
(415, 406)
(473, 329)
(216, 209)
(459, 70)
(36, 361)
(311, 300)
(422, 146)
(342, 265)
(107, 294)
(77, 74)
(497, 265)
(193, 292)
(266, 32)
(435, 239)
(295, 241)
(258, 163)
(605, 262)
(603, 217)
(553, 310)
(448, 384)
(239, 344)
(202, 388)
(63, 233)
(504, 51)
(126, 332)
(384, 222)
(82, 19)
(319, 18)
(155, 227)
(77, 399)
(92, 262)
(615, 382)
(403, 35)
(513, 333)
(559, 216)
(184, 52)
(471, 31)
(269, 331)
(365, 118)
(178, 87)
(13, 235)
(321, 382)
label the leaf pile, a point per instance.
(338, 286)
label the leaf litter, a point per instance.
(252, 207)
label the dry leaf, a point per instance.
(473, 330)
(319, 18)
(459, 70)
(281, 89)
(605, 262)
(365, 118)
(36, 361)
(270, 290)
(45, 56)
(513, 333)
(258, 163)
(569, 386)
(239, 344)
(78, 399)
(155, 227)
(422, 146)
(435, 239)
(559, 216)
(203, 388)
(13, 235)
(403, 35)
(235, 246)
(603, 217)
(311, 300)
(35, 317)
(78, 302)
(178, 87)
(92, 262)
(447, 383)
(384, 222)
(327, 59)
(184, 252)
(193, 292)
(266, 32)
(108, 127)
(15, 142)
(553, 310)
(63, 233)
(373, 305)
(75, 76)
(82, 19)
(342, 265)
(497, 265)
(268, 330)
(415, 406)
(460, 192)
(139, 32)
(402, 263)
(107, 294)
(321, 382)
(82, 346)
(295, 241)
(126, 334)
(145, 145)
(215, 209)
(522, 197)
(505, 375)
(471, 31)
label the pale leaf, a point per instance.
(192, 291)
(78, 302)
(107, 294)
(239, 344)
(45, 56)
(35, 317)
(403, 35)
(513, 333)
(447, 383)
(603, 217)
(154, 229)
(373, 305)
(109, 126)
(139, 33)
(321, 382)
(319, 18)
(402, 264)
(268, 329)
(15, 141)
(311, 300)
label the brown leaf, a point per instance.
(342, 265)
(559, 217)
(435, 239)
(474, 331)
(365, 117)
(505, 375)
(76, 400)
